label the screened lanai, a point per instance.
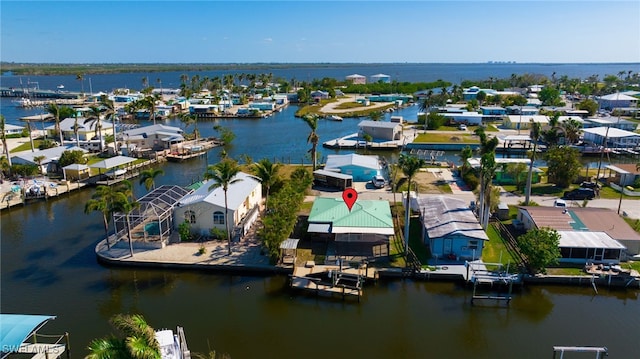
(152, 221)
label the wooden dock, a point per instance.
(191, 149)
(332, 280)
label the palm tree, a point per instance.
(465, 154)
(80, 77)
(268, 174)
(148, 177)
(95, 119)
(38, 160)
(3, 136)
(224, 174)
(409, 165)
(109, 111)
(149, 102)
(376, 116)
(313, 138)
(535, 136)
(54, 110)
(76, 128)
(139, 340)
(124, 204)
(102, 201)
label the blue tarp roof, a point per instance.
(16, 328)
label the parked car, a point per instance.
(462, 127)
(378, 181)
(560, 203)
(580, 193)
(589, 185)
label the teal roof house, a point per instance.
(364, 231)
(361, 168)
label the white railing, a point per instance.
(624, 190)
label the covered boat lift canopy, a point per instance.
(15, 329)
(112, 162)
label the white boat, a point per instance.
(60, 87)
(173, 345)
(115, 173)
(334, 118)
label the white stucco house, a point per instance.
(204, 209)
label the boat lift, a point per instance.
(481, 277)
(601, 352)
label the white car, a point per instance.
(379, 181)
(462, 127)
(560, 203)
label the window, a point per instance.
(190, 216)
(472, 245)
(218, 217)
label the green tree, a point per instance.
(515, 171)
(540, 246)
(535, 137)
(268, 174)
(563, 165)
(102, 201)
(571, 130)
(481, 96)
(70, 157)
(53, 109)
(588, 105)
(409, 165)
(465, 154)
(95, 119)
(137, 340)
(226, 135)
(109, 112)
(3, 136)
(38, 160)
(224, 174)
(550, 96)
(148, 177)
(313, 137)
(376, 115)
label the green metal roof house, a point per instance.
(364, 231)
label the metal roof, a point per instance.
(583, 239)
(289, 243)
(113, 162)
(445, 216)
(236, 194)
(16, 328)
(612, 133)
(379, 124)
(337, 161)
(331, 215)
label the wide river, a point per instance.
(48, 266)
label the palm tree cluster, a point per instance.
(109, 200)
(137, 340)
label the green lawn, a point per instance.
(495, 247)
(27, 146)
(446, 138)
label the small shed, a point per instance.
(289, 251)
(76, 171)
(503, 211)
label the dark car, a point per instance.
(592, 185)
(580, 193)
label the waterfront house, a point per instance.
(381, 130)
(465, 117)
(362, 168)
(380, 78)
(523, 122)
(49, 163)
(494, 111)
(624, 174)
(580, 247)
(356, 79)
(87, 129)
(587, 219)
(204, 209)
(615, 100)
(450, 229)
(615, 138)
(363, 231)
(155, 137)
(10, 129)
(318, 95)
(613, 122)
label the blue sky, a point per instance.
(319, 31)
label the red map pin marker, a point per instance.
(350, 196)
